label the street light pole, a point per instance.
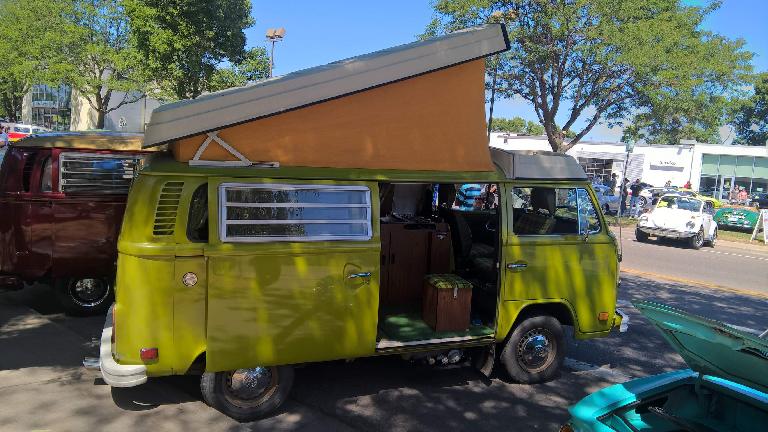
(274, 35)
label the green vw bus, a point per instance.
(366, 232)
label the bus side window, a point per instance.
(197, 225)
(46, 181)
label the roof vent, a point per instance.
(167, 207)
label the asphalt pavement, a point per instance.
(44, 387)
(737, 266)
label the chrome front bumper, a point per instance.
(115, 374)
(666, 232)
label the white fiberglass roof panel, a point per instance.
(306, 87)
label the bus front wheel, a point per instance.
(535, 350)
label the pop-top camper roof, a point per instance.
(415, 106)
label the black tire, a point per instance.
(218, 392)
(641, 236)
(643, 201)
(714, 239)
(607, 209)
(85, 296)
(517, 357)
(697, 240)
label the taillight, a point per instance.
(148, 354)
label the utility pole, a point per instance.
(274, 35)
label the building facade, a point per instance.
(711, 169)
(61, 108)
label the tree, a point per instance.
(533, 128)
(100, 58)
(184, 41)
(601, 60)
(513, 125)
(751, 115)
(253, 67)
(26, 43)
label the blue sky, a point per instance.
(318, 32)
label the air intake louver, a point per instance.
(167, 207)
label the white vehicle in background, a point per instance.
(608, 202)
(679, 217)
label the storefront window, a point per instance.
(51, 106)
(721, 173)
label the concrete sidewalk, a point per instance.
(43, 386)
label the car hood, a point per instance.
(712, 347)
(669, 218)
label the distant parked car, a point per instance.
(724, 389)
(62, 198)
(716, 203)
(679, 217)
(650, 195)
(759, 200)
(737, 218)
(608, 202)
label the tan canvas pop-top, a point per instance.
(419, 106)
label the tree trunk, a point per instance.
(100, 116)
(8, 107)
(101, 109)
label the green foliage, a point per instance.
(751, 114)
(533, 128)
(182, 42)
(513, 125)
(517, 125)
(26, 59)
(253, 67)
(602, 61)
(100, 58)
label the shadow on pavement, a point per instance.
(381, 393)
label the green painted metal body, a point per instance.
(724, 390)
(292, 302)
(736, 218)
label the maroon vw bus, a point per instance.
(62, 198)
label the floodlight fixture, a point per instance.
(274, 35)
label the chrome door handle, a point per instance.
(517, 266)
(359, 275)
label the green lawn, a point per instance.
(739, 236)
(624, 221)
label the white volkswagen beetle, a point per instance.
(679, 217)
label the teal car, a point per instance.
(725, 389)
(737, 218)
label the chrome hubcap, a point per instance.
(89, 292)
(250, 383)
(535, 350)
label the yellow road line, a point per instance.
(694, 282)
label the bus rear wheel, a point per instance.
(247, 394)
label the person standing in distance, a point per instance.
(634, 200)
(624, 191)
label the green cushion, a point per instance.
(410, 327)
(447, 281)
